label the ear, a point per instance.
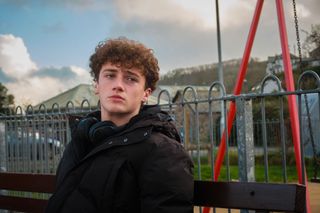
(146, 94)
(96, 89)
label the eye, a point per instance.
(132, 79)
(109, 75)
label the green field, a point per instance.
(275, 173)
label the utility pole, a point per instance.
(220, 70)
(220, 65)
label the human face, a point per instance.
(121, 92)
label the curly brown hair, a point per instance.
(125, 53)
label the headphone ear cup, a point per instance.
(85, 125)
(79, 141)
(101, 130)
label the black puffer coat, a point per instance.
(141, 167)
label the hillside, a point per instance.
(206, 74)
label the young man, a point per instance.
(127, 157)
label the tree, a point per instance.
(6, 100)
(312, 42)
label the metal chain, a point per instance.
(297, 34)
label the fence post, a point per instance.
(2, 147)
(2, 155)
(245, 140)
(244, 123)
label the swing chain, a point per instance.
(297, 34)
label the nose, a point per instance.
(118, 84)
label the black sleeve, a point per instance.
(76, 150)
(167, 179)
(67, 162)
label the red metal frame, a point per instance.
(293, 110)
(289, 84)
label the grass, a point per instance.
(274, 170)
(275, 173)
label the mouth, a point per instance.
(116, 98)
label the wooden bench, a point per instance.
(235, 195)
(26, 183)
(255, 196)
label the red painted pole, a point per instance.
(241, 74)
(293, 110)
(290, 87)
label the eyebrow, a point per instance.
(109, 70)
(132, 73)
(125, 71)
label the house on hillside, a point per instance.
(275, 63)
(315, 54)
(311, 62)
(275, 66)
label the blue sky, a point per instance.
(45, 45)
(48, 31)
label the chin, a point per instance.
(116, 110)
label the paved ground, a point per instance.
(314, 191)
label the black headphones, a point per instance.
(101, 130)
(96, 131)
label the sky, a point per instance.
(45, 45)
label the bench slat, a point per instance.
(27, 182)
(22, 204)
(256, 196)
(236, 195)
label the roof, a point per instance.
(83, 94)
(76, 95)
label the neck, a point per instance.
(117, 119)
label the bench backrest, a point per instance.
(38, 183)
(236, 195)
(255, 196)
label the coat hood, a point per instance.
(150, 116)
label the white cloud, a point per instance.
(164, 11)
(205, 10)
(237, 14)
(80, 72)
(194, 14)
(303, 11)
(35, 89)
(15, 60)
(29, 84)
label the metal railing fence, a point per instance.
(33, 140)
